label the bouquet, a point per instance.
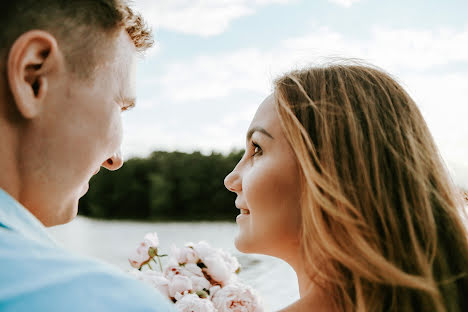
(197, 278)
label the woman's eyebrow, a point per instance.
(258, 129)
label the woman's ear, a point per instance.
(32, 58)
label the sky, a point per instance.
(214, 62)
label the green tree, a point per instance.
(164, 186)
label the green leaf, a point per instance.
(202, 294)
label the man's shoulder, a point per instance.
(46, 278)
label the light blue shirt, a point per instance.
(38, 275)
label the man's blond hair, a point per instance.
(81, 27)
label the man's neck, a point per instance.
(10, 180)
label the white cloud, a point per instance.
(210, 77)
(459, 173)
(420, 49)
(444, 105)
(220, 134)
(389, 48)
(398, 51)
(345, 3)
(416, 57)
(202, 17)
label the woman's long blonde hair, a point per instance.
(381, 219)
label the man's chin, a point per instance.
(67, 215)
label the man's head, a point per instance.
(67, 72)
(82, 28)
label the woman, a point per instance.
(341, 179)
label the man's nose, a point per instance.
(233, 181)
(114, 162)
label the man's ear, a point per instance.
(32, 58)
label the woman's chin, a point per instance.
(246, 245)
(241, 243)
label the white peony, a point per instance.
(179, 284)
(200, 283)
(193, 303)
(220, 266)
(179, 296)
(157, 280)
(192, 269)
(184, 255)
(236, 298)
(153, 278)
(213, 290)
(186, 270)
(151, 240)
(141, 254)
(193, 272)
(197, 277)
(203, 249)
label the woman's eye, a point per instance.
(257, 149)
(126, 106)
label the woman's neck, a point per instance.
(312, 297)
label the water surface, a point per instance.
(114, 241)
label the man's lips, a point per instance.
(244, 210)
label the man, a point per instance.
(67, 73)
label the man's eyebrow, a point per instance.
(258, 129)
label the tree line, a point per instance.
(166, 186)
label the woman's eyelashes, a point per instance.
(257, 150)
(125, 108)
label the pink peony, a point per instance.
(220, 266)
(213, 290)
(203, 249)
(192, 303)
(141, 255)
(184, 255)
(193, 272)
(236, 298)
(179, 284)
(157, 280)
(151, 240)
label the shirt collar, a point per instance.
(17, 218)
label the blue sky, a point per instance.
(215, 59)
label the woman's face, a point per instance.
(266, 181)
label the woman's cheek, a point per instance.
(256, 187)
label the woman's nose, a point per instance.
(114, 162)
(233, 182)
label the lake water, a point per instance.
(114, 241)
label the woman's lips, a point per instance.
(244, 213)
